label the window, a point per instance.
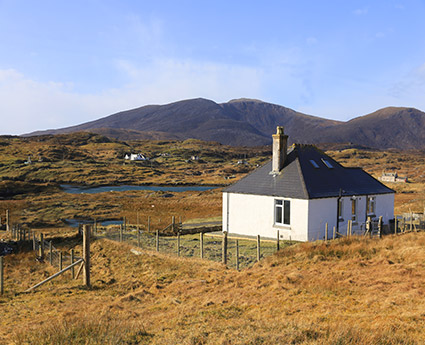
(282, 213)
(340, 205)
(370, 204)
(353, 210)
(327, 163)
(313, 163)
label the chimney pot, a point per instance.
(280, 146)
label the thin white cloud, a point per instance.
(361, 11)
(311, 41)
(27, 105)
(411, 86)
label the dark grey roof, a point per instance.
(301, 180)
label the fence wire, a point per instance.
(242, 255)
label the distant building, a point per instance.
(393, 177)
(136, 157)
(29, 160)
(300, 191)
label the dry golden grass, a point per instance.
(349, 291)
(84, 158)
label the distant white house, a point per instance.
(393, 177)
(301, 190)
(136, 157)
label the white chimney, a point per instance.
(280, 146)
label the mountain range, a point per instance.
(248, 122)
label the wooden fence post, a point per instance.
(121, 231)
(72, 261)
(277, 241)
(258, 248)
(178, 244)
(237, 255)
(50, 253)
(1, 276)
(201, 244)
(173, 222)
(149, 223)
(41, 247)
(224, 248)
(333, 236)
(60, 261)
(7, 221)
(395, 225)
(124, 222)
(157, 240)
(33, 241)
(380, 224)
(86, 254)
(369, 226)
(138, 237)
(348, 228)
(326, 231)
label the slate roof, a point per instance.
(299, 178)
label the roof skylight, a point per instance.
(313, 163)
(327, 163)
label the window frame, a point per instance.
(354, 210)
(327, 163)
(314, 164)
(281, 207)
(370, 201)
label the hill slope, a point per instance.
(347, 291)
(247, 122)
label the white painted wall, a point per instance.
(254, 215)
(322, 211)
(385, 206)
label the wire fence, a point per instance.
(239, 253)
(57, 258)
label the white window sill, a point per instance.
(282, 226)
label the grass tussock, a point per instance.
(84, 331)
(348, 291)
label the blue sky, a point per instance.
(67, 62)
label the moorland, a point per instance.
(32, 192)
(348, 291)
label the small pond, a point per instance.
(72, 189)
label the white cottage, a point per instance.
(301, 190)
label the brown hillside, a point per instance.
(349, 291)
(390, 127)
(246, 122)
